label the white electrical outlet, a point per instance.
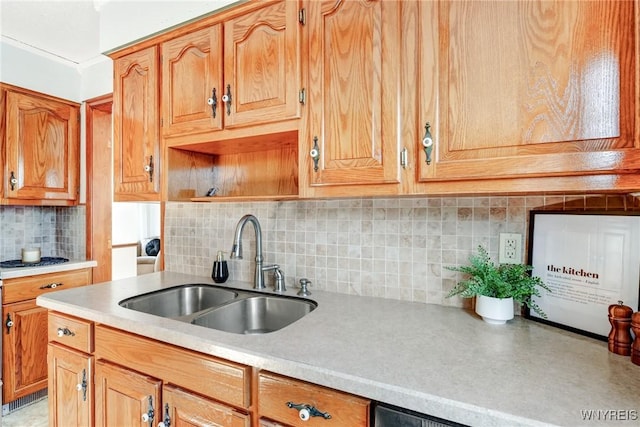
(510, 251)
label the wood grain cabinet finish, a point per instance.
(71, 388)
(276, 393)
(181, 407)
(244, 71)
(41, 143)
(136, 135)
(25, 330)
(353, 103)
(125, 397)
(528, 89)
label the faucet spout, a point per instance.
(236, 251)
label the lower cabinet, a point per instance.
(138, 381)
(125, 397)
(70, 391)
(24, 336)
(298, 403)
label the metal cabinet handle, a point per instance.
(403, 158)
(8, 323)
(315, 153)
(83, 385)
(13, 181)
(147, 417)
(305, 412)
(427, 143)
(51, 285)
(213, 101)
(149, 168)
(66, 332)
(166, 422)
(226, 98)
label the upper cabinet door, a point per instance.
(530, 89)
(192, 83)
(262, 66)
(354, 77)
(136, 131)
(42, 145)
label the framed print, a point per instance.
(589, 261)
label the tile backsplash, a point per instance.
(387, 247)
(57, 231)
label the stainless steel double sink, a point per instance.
(231, 310)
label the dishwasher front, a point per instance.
(392, 416)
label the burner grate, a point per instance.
(45, 260)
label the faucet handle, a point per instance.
(279, 276)
(304, 283)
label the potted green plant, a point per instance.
(496, 287)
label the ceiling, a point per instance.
(67, 29)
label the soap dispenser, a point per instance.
(220, 272)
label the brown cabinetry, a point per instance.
(254, 80)
(141, 381)
(136, 142)
(71, 367)
(351, 143)
(525, 96)
(40, 139)
(24, 338)
(231, 105)
(298, 403)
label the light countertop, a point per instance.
(12, 273)
(437, 360)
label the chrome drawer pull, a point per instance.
(307, 411)
(65, 332)
(51, 285)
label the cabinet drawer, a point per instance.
(29, 287)
(275, 392)
(71, 331)
(219, 379)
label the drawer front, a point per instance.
(219, 379)
(71, 331)
(275, 392)
(29, 287)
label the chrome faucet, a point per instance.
(236, 252)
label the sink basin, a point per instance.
(256, 314)
(179, 301)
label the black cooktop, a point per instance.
(45, 260)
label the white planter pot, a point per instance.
(494, 310)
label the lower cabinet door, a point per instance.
(24, 344)
(184, 408)
(126, 398)
(70, 387)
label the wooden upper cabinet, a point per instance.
(529, 89)
(354, 57)
(136, 153)
(241, 72)
(42, 142)
(262, 65)
(192, 82)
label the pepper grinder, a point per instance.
(220, 272)
(635, 348)
(620, 335)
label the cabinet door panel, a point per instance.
(124, 396)
(262, 65)
(188, 409)
(533, 88)
(24, 360)
(191, 72)
(136, 130)
(42, 148)
(69, 405)
(354, 85)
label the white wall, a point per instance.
(123, 22)
(38, 71)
